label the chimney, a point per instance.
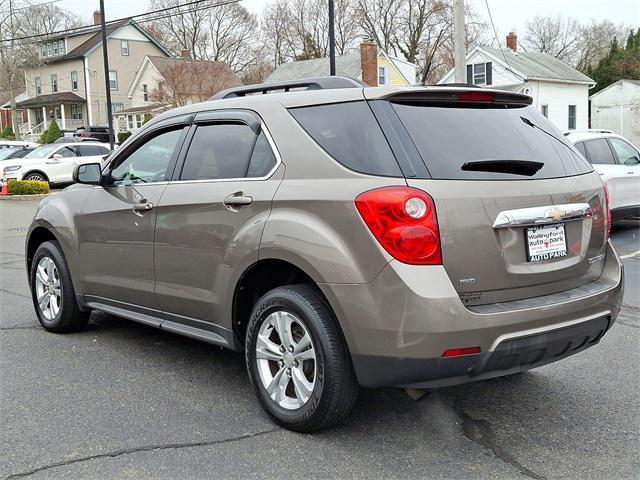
(369, 62)
(97, 17)
(184, 53)
(512, 41)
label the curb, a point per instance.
(38, 196)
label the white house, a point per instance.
(617, 108)
(560, 92)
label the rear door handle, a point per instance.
(237, 199)
(143, 206)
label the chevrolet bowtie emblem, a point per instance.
(555, 213)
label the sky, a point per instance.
(507, 15)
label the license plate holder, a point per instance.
(546, 242)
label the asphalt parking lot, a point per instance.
(121, 400)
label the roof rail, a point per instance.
(591, 130)
(316, 83)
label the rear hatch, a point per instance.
(519, 210)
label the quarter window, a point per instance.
(218, 151)
(149, 162)
(262, 159)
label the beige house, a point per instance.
(69, 84)
(162, 83)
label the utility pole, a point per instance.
(332, 40)
(459, 36)
(12, 72)
(105, 56)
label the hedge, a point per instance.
(122, 136)
(27, 187)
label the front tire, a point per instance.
(52, 291)
(36, 176)
(298, 361)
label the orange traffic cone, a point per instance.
(5, 187)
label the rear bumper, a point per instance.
(398, 326)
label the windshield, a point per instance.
(42, 152)
(488, 143)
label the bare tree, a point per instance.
(232, 30)
(595, 40)
(558, 36)
(186, 82)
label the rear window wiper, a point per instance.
(514, 167)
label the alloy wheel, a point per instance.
(286, 360)
(48, 289)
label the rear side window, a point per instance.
(599, 152)
(91, 150)
(218, 151)
(453, 141)
(350, 134)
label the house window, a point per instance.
(117, 107)
(49, 49)
(43, 50)
(382, 75)
(55, 48)
(145, 92)
(113, 80)
(480, 73)
(76, 111)
(74, 81)
(38, 85)
(61, 47)
(124, 48)
(572, 117)
(54, 83)
(545, 110)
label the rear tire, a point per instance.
(53, 295)
(305, 380)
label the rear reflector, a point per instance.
(459, 352)
(607, 210)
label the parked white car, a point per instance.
(617, 160)
(54, 163)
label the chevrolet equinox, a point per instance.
(340, 236)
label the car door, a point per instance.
(211, 218)
(600, 155)
(628, 159)
(59, 165)
(117, 224)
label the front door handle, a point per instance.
(143, 206)
(237, 199)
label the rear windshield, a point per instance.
(453, 142)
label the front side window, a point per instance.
(124, 48)
(572, 117)
(74, 81)
(625, 153)
(113, 80)
(38, 85)
(66, 152)
(598, 152)
(218, 151)
(149, 162)
(382, 75)
(54, 83)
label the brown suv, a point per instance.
(340, 236)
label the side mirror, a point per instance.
(56, 156)
(88, 173)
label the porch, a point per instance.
(67, 108)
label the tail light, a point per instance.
(403, 220)
(607, 208)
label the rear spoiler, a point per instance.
(457, 96)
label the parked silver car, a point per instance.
(340, 236)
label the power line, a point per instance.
(112, 22)
(495, 33)
(31, 6)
